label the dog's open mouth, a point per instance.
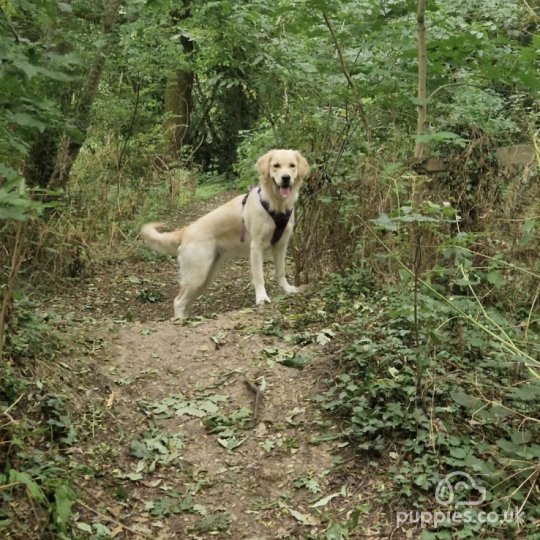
(284, 191)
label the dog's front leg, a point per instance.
(257, 274)
(279, 252)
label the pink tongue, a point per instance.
(285, 191)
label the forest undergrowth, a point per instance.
(432, 374)
(401, 385)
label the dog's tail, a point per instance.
(162, 242)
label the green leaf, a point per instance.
(63, 499)
(208, 406)
(528, 226)
(102, 531)
(134, 476)
(526, 392)
(84, 527)
(27, 120)
(297, 362)
(24, 478)
(268, 445)
(213, 522)
(30, 70)
(521, 437)
(304, 519)
(442, 136)
(139, 450)
(495, 278)
(325, 336)
(190, 410)
(465, 400)
(385, 222)
(56, 75)
(458, 452)
(477, 339)
(12, 213)
(325, 500)
(509, 447)
(8, 173)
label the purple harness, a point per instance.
(281, 219)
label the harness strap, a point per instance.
(281, 219)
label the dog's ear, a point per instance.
(263, 165)
(303, 166)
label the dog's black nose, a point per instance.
(285, 180)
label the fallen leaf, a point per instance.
(305, 519)
(110, 399)
(152, 484)
(141, 519)
(116, 531)
(325, 500)
(115, 511)
(291, 414)
(261, 429)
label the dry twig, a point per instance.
(258, 391)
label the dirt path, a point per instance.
(184, 457)
(172, 448)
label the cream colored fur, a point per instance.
(202, 247)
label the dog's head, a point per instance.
(282, 171)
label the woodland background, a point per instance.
(423, 241)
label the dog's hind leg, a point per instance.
(214, 269)
(183, 301)
(197, 265)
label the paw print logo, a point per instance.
(455, 483)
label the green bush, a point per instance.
(455, 400)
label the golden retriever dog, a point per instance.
(255, 226)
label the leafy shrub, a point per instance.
(457, 399)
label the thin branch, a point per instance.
(13, 404)
(10, 25)
(498, 404)
(531, 11)
(449, 85)
(422, 63)
(529, 318)
(258, 391)
(350, 81)
(533, 483)
(16, 260)
(7, 486)
(130, 129)
(112, 520)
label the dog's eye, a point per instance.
(276, 165)
(292, 165)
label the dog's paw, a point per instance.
(262, 300)
(291, 289)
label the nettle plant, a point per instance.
(436, 380)
(472, 409)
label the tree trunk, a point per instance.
(178, 92)
(422, 112)
(178, 109)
